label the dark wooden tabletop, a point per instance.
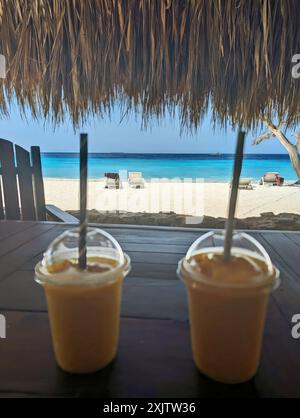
(154, 357)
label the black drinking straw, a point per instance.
(238, 161)
(83, 199)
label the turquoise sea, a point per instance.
(211, 167)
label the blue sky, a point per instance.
(109, 135)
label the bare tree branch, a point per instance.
(282, 126)
(279, 134)
(297, 135)
(262, 137)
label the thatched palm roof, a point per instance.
(81, 56)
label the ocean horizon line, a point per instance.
(167, 155)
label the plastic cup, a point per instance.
(83, 306)
(227, 304)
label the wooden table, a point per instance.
(154, 358)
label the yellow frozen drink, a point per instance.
(84, 305)
(227, 305)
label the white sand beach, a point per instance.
(190, 198)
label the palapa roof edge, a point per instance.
(78, 58)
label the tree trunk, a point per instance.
(294, 157)
(291, 148)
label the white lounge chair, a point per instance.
(271, 179)
(136, 180)
(245, 183)
(112, 181)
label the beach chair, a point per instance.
(136, 180)
(271, 179)
(112, 181)
(245, 183)
(22, 195)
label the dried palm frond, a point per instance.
(80, 57)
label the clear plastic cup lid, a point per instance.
(242, 244)
(103, 252)
(250, 264)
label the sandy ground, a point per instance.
(194, 199)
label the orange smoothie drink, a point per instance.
(84, 306)
(227, 305)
